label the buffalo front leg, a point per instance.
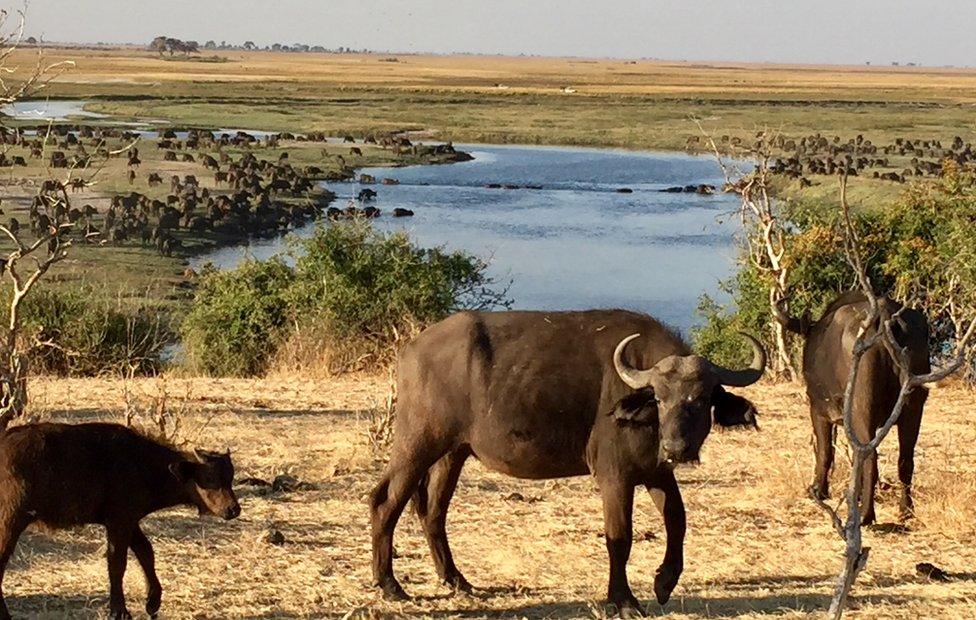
(10, 531)
(431, 501)
(907, 436)
(143, 551)
(119, 537)
(667, 497)
(399, 482)
(618, 506)
(869, 479)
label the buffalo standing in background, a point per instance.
(542, 395)
(827, 357)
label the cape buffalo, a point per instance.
(542, 395)
(63, 475)
(827, 356)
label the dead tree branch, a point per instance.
(763, 224)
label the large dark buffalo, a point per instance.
(827, 357)
(542, 395)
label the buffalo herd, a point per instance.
(816, 155)
(250, 196)
(611, 394)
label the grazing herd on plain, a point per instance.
(536, 395)
(250, 196)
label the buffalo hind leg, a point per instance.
(387, 501)
(907, 436)
(618, 507)
(142, 549)
(823, 434)
(667, 497)
(431, 501)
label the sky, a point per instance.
(933, 33)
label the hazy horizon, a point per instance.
(832, 32)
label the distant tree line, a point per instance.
(170, 45)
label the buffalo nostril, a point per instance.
(233, 512)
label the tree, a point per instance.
(765, 232)
(210, 45)
(50, 245)
(249, 45)
(159, 45)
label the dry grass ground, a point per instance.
(756, 546)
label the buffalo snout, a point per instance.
(232, 512)
(676, 451)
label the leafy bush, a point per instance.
(353, 292)
(81, 333)
(818, 271)
(238, 318)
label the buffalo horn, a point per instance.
(633, 377)
(748, 376)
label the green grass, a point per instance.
(612, 121)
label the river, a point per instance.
(576, 242)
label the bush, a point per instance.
(238, 318)
(351, 296)
(920, 250)
(81, 333)
(819, 272)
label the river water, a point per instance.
(576, 242)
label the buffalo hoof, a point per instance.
(459, 584)
(906, 513)
(816, 493)
(665, 581)
(119, 614)
(154, 600)
(628, 606)
(392, 591)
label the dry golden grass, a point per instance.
(755, 547)
(526, 75)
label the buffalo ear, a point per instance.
(729, 410)
(182, 470)
(637, 408)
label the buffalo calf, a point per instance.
(63, 475)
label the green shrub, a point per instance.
(819, 272)
(238, 318)
(353, 292)
(920, 250)
(81, 333)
